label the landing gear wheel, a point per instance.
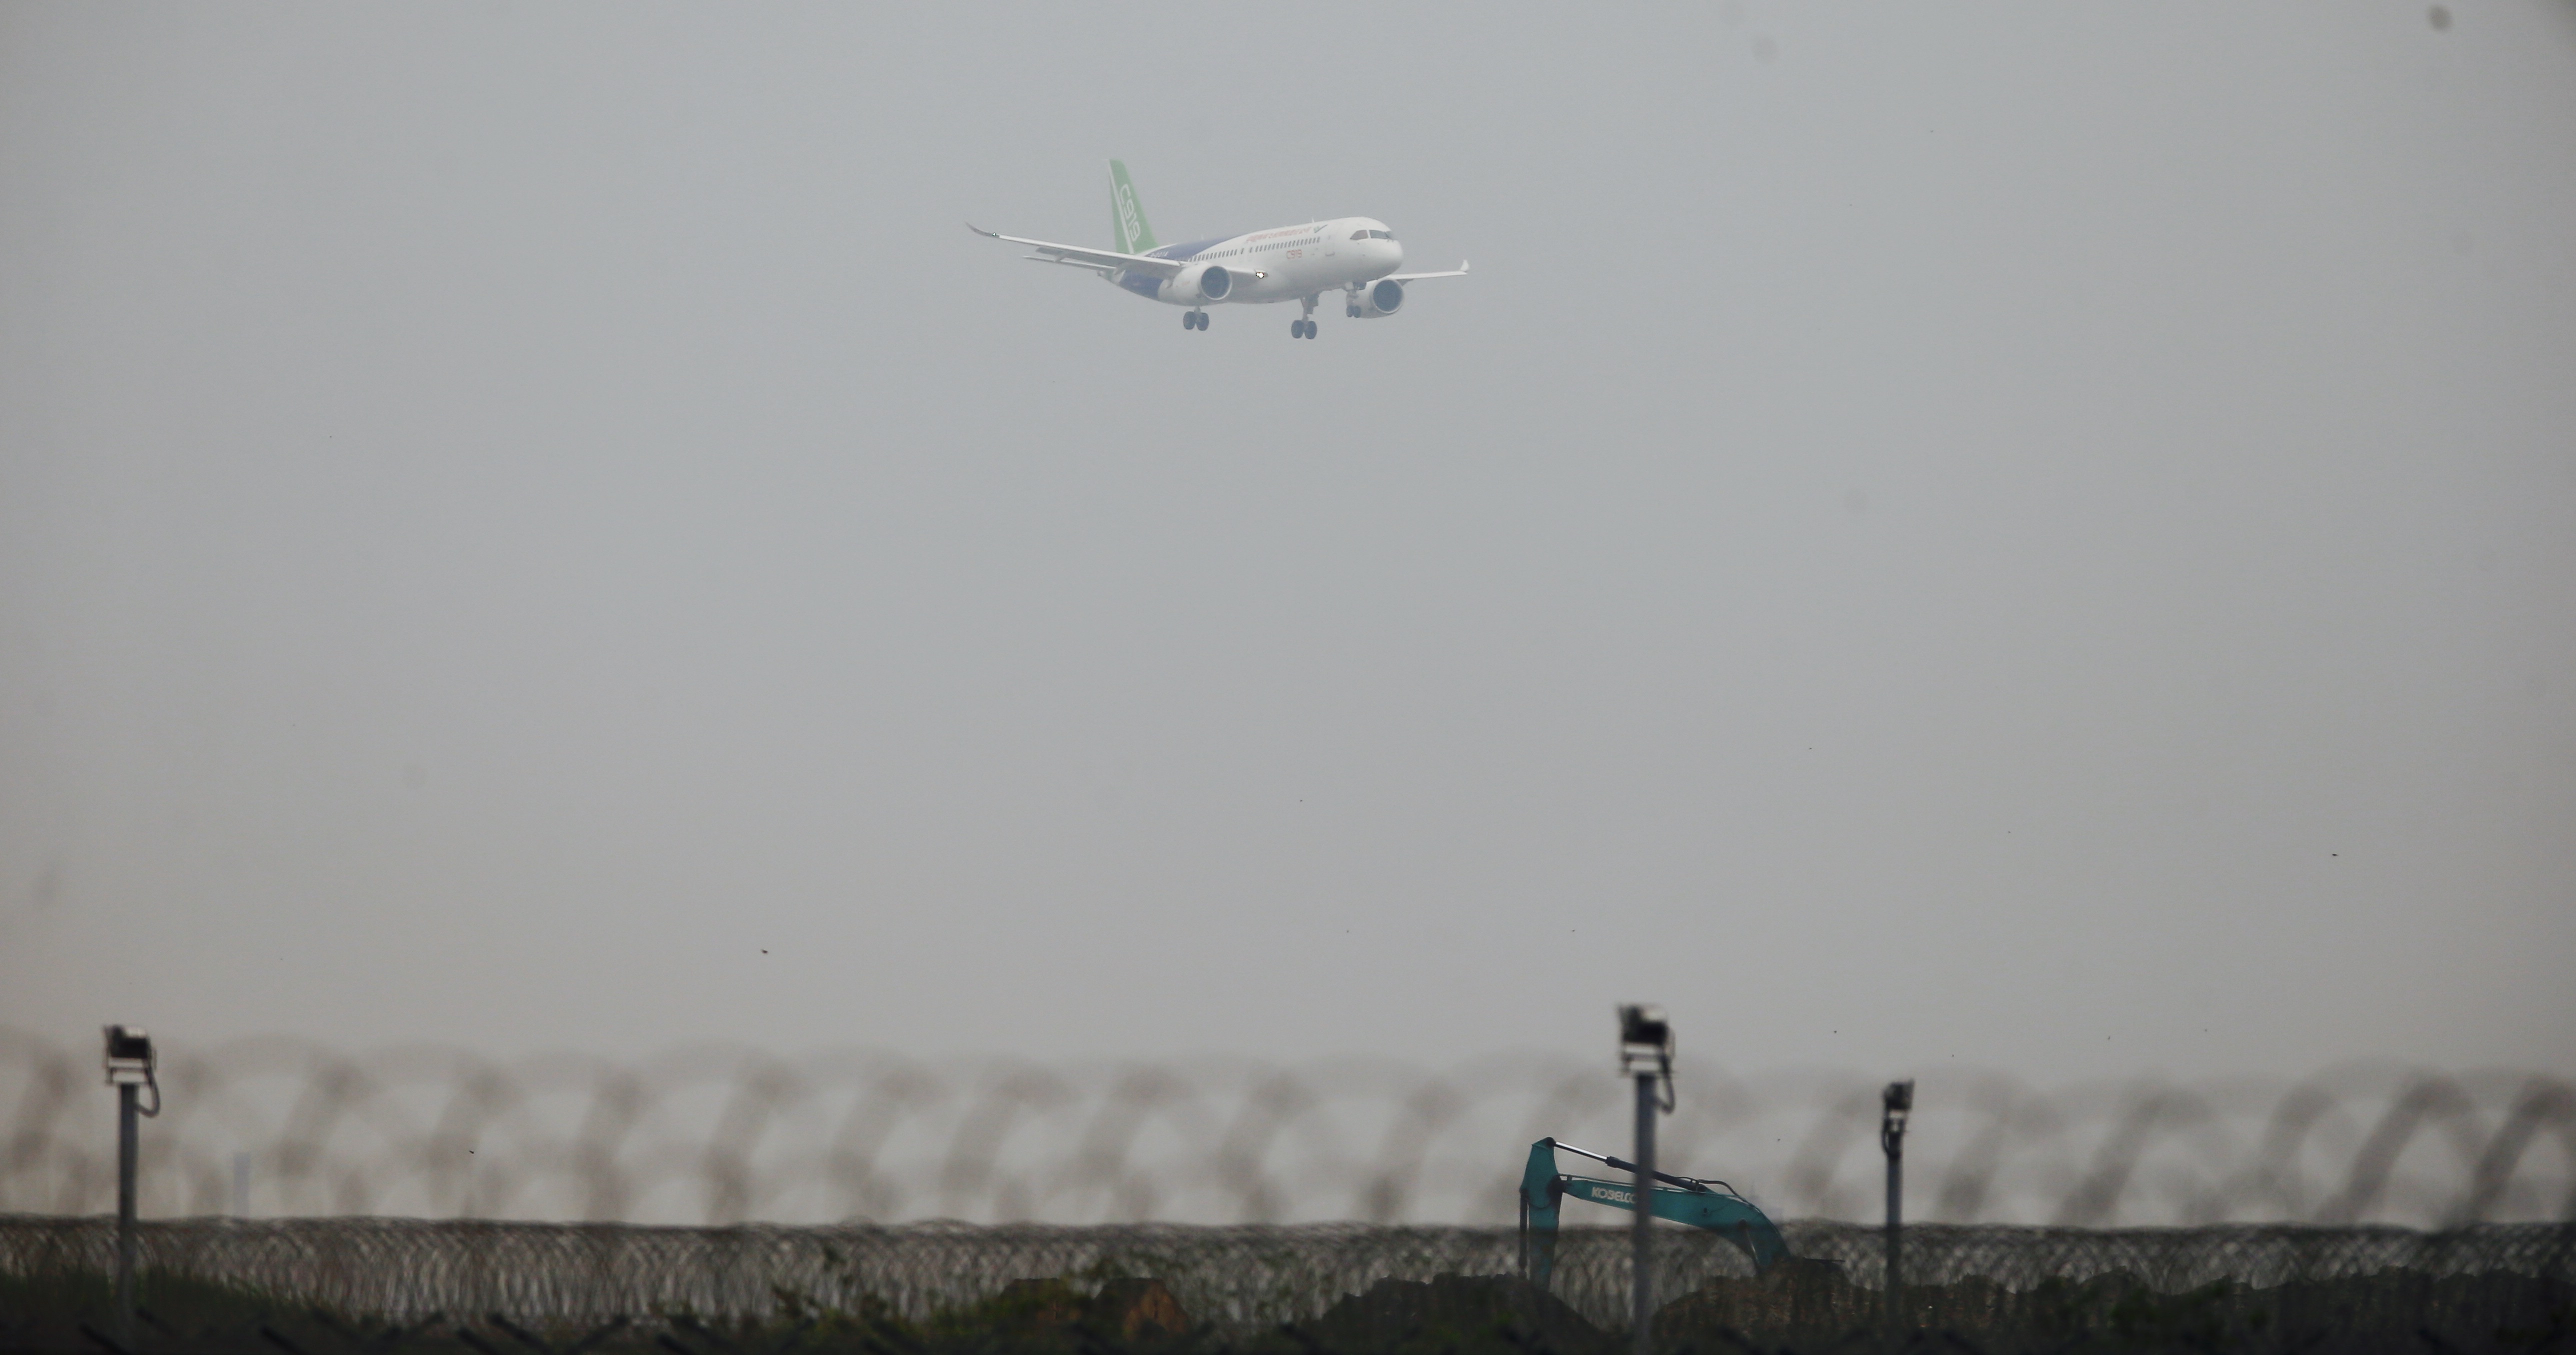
(1310, 329)
(1189, 320)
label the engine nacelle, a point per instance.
(1376, 301)
(1199, 284)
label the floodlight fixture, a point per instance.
(1896, 1103)
(1645, 1041)
(129, 1056)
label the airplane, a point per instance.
(1356, 254)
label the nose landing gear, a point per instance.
(1194, 319)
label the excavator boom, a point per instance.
(1712, 1205)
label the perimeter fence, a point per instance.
(277, 1127)
(1234, 1278)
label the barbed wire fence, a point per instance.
(278, 1127)
(1237, 1276)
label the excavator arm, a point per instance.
(1713, 1205)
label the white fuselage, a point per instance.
(1288, 263)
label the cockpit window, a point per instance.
(1381, 235)
(1362, 235)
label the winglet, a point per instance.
(989, 235)
(1462, 265)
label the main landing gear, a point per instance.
(1194, 319)
(1304, 329)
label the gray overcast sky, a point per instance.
(2035, 535)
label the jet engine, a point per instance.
(1379, 299)
(1199, 284)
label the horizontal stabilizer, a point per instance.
(1108, 260)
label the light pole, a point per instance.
(1646, 1055)
(1895, 1104)
(129, 1069)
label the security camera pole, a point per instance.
(129, 1070)
(1646, 1054)
(1895, 1103)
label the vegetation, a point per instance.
(1795, 1309)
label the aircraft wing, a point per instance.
(1458, 272)
(1091, 258)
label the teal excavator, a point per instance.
(1713, 1205)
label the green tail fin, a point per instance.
(1126, 215)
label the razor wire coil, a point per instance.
(730, 1136)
